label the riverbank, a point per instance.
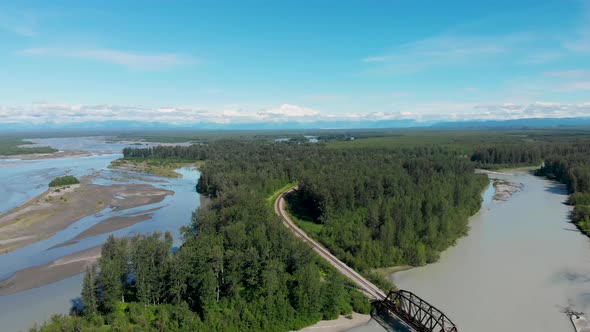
(523, 248)
(155, 167)
(342, 323)
(385, 272)
(57, 208)
(109, 225)
(59, 269)
(52, 155)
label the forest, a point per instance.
(239, 269)
(372, 203)
(10, 146)
(374, 207)
(573, 169)
(566, 162)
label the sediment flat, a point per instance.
(109, 225)
(57, 208)
(340, 324)
(59, 269)
(51, 155)
(505, 189)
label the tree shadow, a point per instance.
(556, 188)
(77, 305)
(297, 208)
(386, 320)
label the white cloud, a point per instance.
(535, 110)
(575, 86)
(568, 73)
(288, 111)
(447, 50)
(124, 58)
(462, 49)
(42, 113)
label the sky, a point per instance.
(232, 62)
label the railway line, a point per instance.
(365, 285)
(408, 311)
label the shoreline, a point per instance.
(505, 189)
(54, 271)
(342, 323)
(143, 166)
(52, 155)
(59, 207)
(107, 226)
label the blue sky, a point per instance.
(292, 61)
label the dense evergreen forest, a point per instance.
(371, 202)
(373, 207)
(566, 162)
(239, 269)
(573, 169)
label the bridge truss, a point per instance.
(417, 313)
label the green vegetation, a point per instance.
(387, 198)
(570, 164)
(272, 198)
(239, 269)
(371, 207)
(10, 146)
(160, 167)
(64, 181)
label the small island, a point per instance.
(64, 181)
(165, 168)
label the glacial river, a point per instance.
(22, 180)
(520, 268)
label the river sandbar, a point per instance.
(52, 155)
(340, 324)
(59, 269)
(505, 189)
(109, 225)
(57, 208)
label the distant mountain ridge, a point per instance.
(519, 123)
(135, 125)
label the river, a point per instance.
(22, 180)
(520, 268)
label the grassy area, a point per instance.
(159, 167)
(308, 227)
(10, 146)
(272, 198)
(385, 272)
(296, 215)
(463, 139)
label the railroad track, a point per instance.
(366, 286)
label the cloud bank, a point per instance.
(47, 113)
